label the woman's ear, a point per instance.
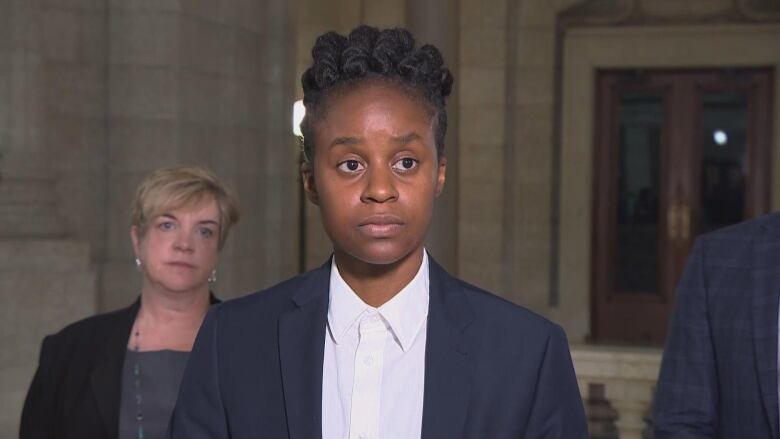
(441, 176)
(309, 185)
(136, 239)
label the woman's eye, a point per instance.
(350, 166)
(165, 225)
(405, 164)
(206, 232)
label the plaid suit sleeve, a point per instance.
(687, 393)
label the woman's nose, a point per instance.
(183, 241)
(380, 187)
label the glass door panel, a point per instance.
(641, 121)
(724, 154)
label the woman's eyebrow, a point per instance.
(344, 140)
(406, 138)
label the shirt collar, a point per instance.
(405, 313)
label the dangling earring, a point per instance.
(213, 277)
(138, 264)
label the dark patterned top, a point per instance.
(150, 385)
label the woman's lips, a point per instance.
(381, 226)
(180, 264)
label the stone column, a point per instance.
(46, 281)
(27, 201)
(142, 64)
(206, 83)
(437, 22)
(278, 186)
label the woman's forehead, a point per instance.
(203, 203)
(375, 86)
(376, 105)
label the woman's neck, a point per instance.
(377, 284)
(168, 321)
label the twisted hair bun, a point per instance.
(370, 53)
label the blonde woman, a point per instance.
(116, 375)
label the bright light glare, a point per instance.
(298, 112)
(720, 137)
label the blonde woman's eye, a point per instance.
(405, 164)
(165, 225)
(351, 166)
(206, 232)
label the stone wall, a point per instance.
(74, 101)
(506, 183)
(44, 284)
(94, 95)
(208, 83)
(46, 280)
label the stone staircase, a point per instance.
(617, 384)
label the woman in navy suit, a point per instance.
(379, 342)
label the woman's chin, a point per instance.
(182, 285)
(383, 255)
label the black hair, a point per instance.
(370, 54)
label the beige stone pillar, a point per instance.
(483, 149)
(206, 83)
(383, 13)
(142, 60)
(437, 22)
(278, 227)
(27, 202)
(45, 281)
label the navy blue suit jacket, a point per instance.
(719, 372)
(492, 369)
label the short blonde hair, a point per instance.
(171, 188)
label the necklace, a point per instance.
(139, 416)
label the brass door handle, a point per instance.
(678, 222)
(685, 223)
(672, 222)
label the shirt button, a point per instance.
(368, 361)
(362, 436)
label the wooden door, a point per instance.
(678, 153)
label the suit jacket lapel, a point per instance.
(766, 278)
(106, 377)
(448, 367)
(301, 351)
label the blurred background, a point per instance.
(590, 142)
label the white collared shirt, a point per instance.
(373, 372)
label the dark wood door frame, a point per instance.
(640, 317)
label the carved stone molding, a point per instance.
(598, 13)
(660, 12)
(759, 10)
